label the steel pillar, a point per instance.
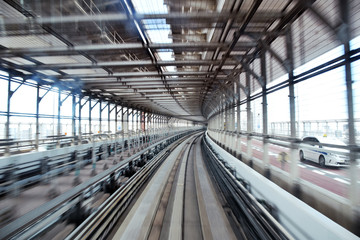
(37, 128)
(249, 120)
(109, 112)
(80, 108)
(90, 108)
(266, 162)
(73, 118)
(7, 125)
(294, 169)
(100, 117)
(238, 118)
(354, 185)
(59, 118)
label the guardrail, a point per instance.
(18, 171)
(298, 218)
(256, 221)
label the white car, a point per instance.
(311, 149)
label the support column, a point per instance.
(123, 130)
(249, 121)
(267, 172)
(238, 121)
(90, 108)
(150, 126)
(224, 122)
(59, 113)
(109, 112)
(73, 118)
(116, 118)
(58, 118)
(226, 127)
(354, 185)
(7, 125)
(100, 117)
(80, 108)
(294, 169)
(218, 126)
(233, 130)
(138, 113)
(116, 142)
(37, 130)
(128, 129)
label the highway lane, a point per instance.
(335, 180)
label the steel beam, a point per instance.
(73, 115)
(179, 80)
(215, 17)
(59, 117)
(266, 159)
(116, 48)
(134, 74)
(126, 64)
(294, 169)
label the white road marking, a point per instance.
(302, 166)
(318, 172)
(258, 149)
(332, 173)
(342, 181)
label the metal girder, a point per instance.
(158, 88)
(250, 14)
(283, 63)
(144, 87)
(215, 17)
(180, 80)
(115, 48)
(254, 74)
(134, 74)
(125, 64)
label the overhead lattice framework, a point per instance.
(114, 50)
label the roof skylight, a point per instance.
(156, 30)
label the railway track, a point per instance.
(185, 193)
(179, 202)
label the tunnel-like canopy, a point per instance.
(180, 58)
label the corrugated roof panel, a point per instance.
(9, 12)
(274, 69)
(273, 5)
(48, 72)
(354, 18)
(84, 71)
(63, 59)
(19, 61)
(311, 39)
(30, 41)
